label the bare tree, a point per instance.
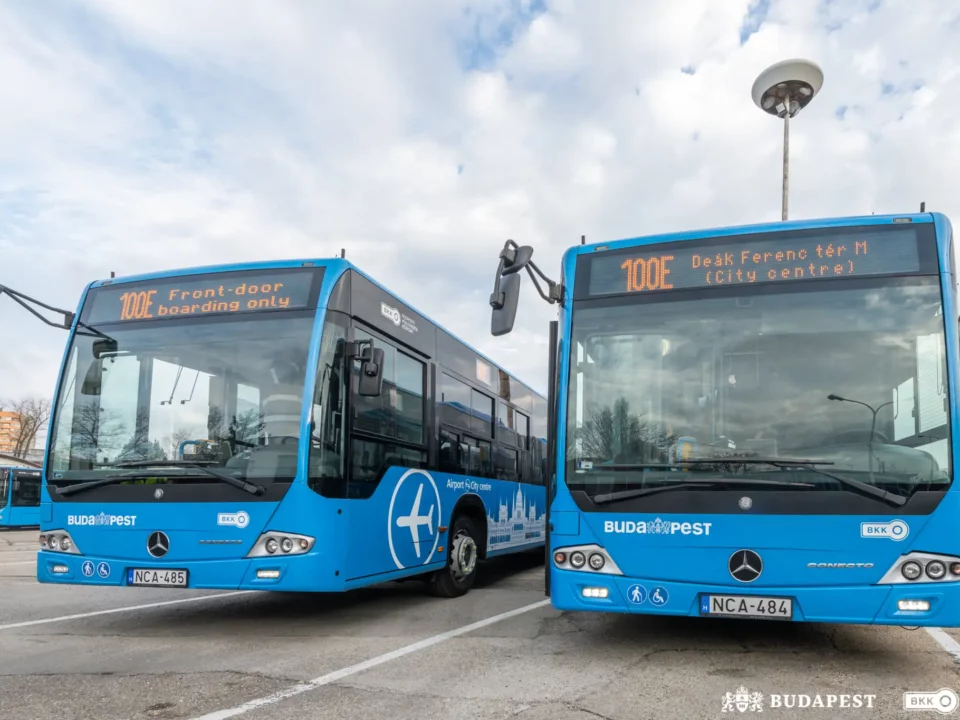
(34, 413)
(614, 433)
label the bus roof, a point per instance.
(337, 266)
(779, 226)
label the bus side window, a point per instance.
(3, 487)
(26, 491)
(450, 453)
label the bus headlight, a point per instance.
(910, 570)
(585, 558)
(274, 544)
(58, 541)
(919, 567)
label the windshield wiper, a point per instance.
(691, 484)
(250, 487)
(862, 487)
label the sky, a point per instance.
(419, 136)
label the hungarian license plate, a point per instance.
(752, 606)
(155, 577)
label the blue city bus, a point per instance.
(19, 496)
(754, 422)
(289, 426)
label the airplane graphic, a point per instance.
(414, 520)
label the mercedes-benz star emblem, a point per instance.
(158, 493)
(745, 565)
(746, 503)
(158, 544)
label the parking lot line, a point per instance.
(129, 608)
(945, 641)
(365, 665)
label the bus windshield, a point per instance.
(224, 392)
(851, 373)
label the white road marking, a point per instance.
(365, 665)
(129, 608)
(945, 641)
(22, 562)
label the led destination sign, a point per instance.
(771, 259)
(198, 295)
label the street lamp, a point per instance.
(784, 89)
(873, 425)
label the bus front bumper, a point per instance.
(295, 573)
(921, 604)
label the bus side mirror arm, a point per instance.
(22, 300)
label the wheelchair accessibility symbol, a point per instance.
(659, 597)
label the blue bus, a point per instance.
(287, 426)
(754, 422)
(19, 496)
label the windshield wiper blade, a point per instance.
(736, 460)
(250, 487)
(691, 484)
(90, 485)
(862, 487)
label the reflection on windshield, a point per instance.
(225, 393)
(853, 376)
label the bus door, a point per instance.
(4, 496)
(24, 494)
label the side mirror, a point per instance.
(505, 306)
(93, 380)
(371, 372)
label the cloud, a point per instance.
(142, 137)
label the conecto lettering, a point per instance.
(655, 527)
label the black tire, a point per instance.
(451, 582)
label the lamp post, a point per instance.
(783, 90)
(873, 424)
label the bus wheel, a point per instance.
(461, 570)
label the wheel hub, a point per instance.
(464, 556)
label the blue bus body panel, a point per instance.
(358, 541)
(669, 563)
(12, 516)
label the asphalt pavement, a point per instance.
(394, 652)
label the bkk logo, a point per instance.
(656, 527)
(391, 313)
(103, 520)
(895, 530)
(238, 519)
